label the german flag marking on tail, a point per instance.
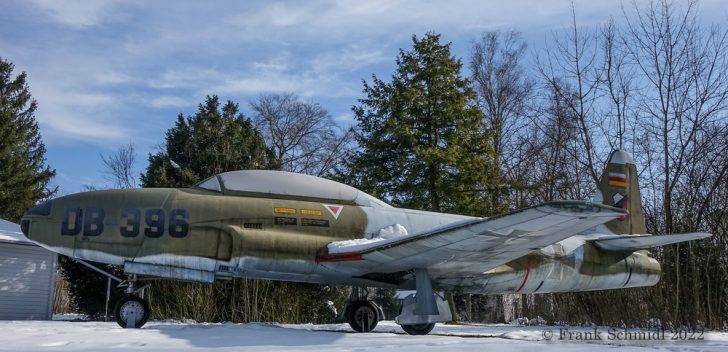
(617, 179)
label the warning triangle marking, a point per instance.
(335, 210)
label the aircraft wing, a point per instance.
(471, 246)
(631, 243)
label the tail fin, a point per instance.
(620, 188)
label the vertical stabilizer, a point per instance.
(620, 188)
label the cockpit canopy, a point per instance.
(287, 185)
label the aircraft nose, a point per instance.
(42, 209)
(24, 225)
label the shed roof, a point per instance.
(10, 232)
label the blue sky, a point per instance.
(106, 72)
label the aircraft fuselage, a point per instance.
(199, 235)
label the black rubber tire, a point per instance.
(124, 303)
(418, 329)
(363, 316)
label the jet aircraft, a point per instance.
(284, 226)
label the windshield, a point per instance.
(211, 184)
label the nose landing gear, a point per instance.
(132, 311)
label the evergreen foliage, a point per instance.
(24, 176)
(216, 139)
(387, 300)
(423, 142)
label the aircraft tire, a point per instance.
(363, 316)
(418, 329)
(129, 302)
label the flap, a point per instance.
(631, 243)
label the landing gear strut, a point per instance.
(361, 313)
(132, 311)
(420, 311)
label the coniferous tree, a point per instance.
(24, 176)
(423, 142)
(216, 139)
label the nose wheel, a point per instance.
(131, 312)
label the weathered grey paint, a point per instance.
(27, 281)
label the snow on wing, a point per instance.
(473, 246)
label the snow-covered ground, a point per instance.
(179, 336)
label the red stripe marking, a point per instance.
(618, 179)
(345, 257)
(528, 270)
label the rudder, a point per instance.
(620, 188)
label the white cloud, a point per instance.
(278, 63)
(65, 115)
(185, 77)
(170, 101)
(316, 49)
(111, 78)
(350, 58)
(101, 68)
(303, 81)
(75, 14)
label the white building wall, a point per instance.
(27, 281)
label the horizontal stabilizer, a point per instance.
(630, 243)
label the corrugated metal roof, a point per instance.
(11, 232)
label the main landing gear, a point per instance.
(418, 329)
(417, 316)
(361, 313)
(421, 310)
(132, 311)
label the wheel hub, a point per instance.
(130, 306)
(365, 316)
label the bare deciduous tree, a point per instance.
(503, 90)
(684, 70)
(303, 135)
(502, 86)
(658, 86)
(119, 167)
(575, 65)
(618, 83)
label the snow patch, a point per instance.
(388, 233)
(70, 317)
(11, 232)
(265, 337)
(393, 231)
(55, 344)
